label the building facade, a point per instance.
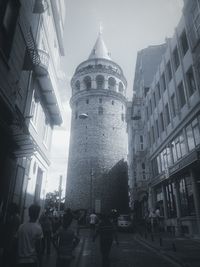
(139, 174)
(97, 168)
(172, 128)
(30, 50)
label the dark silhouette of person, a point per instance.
(29, 239)
(65, 242)
(105, 231)
(10, 239)
(46, 224)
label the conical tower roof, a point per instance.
(100, 50)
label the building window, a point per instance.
(176, 58)
(158, 89)
(167, 114)
(100, 110)
(154, 98)
(122, 116)
(100, 100)
(162, 122)
(87, 101)
(182, 144)
(196, 132)
(9, 11)
(173, 105)
(76, 115)
(149, 138)
(121, 88)
(88, 83)
(150, 106)
(170, 195)
(163, 82)
(34, 110)
(100, 82)
(169, 71)
(178, 147)
(46, 133)
(112, 84)
(153, 134)
(157, 128)
(184, 43)
(186, 196)
(147, 113)
(181, 94)
(190, 82)
(193, 134)
(77, 85)
(141, 142)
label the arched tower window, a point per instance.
(112, 84)
(121, 88)
(77, 85)
(100, 81)
(100, 110)
(87, 82)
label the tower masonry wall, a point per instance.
(98, 150)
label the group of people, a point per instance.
(25, 244)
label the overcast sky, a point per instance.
(128, 26)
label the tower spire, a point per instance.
(100, 28)
(100, 50)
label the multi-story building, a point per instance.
(172, 127)
(30, 49)
(147, 62)
(97, 168)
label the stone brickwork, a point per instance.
(97, 170)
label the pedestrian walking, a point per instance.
(46, 224)
(114, 219)
(10, 235)
(29, 240)
(65, 242)
(93, 220)
(105, 230)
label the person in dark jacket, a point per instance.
(106, 233)
(46, 224)
(65, 242)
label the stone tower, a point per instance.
(97, 169)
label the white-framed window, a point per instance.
(34, 110)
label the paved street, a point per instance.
(129, 253)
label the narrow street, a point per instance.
(129, 253)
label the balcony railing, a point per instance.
(41, 67)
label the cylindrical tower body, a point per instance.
(97, 169)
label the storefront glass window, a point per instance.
(178, 148)
(159, 165)
(159, 200)
(190, 137)
(182, 144)
(171, 207)
(169, 158)
(195, 127)
(174, 151)
(186, 197)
